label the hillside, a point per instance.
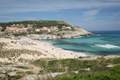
(39, 24)
(43, 30)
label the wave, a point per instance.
(108, 46)
(81, 53)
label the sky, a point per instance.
(88, 14)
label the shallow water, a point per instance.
(107, 42)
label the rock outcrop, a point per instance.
(77, 33)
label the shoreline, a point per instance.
(80, 53)
(47, 50)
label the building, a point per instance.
(64, 27)
(16, 30)
(68, 28)
(54, 28)
(45, 28)
(49, 30)
(37, 30)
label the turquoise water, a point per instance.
(107, 42)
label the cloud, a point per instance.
(6, 17)
(17, 6)
(90, 15)
(16, 18)
(99, 25)
(91, 12)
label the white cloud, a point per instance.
(91, 12)
(90, 15)
(15, 6)
(6, 17)
(21, 18)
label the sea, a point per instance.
(103, 43)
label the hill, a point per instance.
(39, 24)
(53, 29)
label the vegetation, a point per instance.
(2, 45)
(110, 74)
(7, 53)
(39, 24)
(13, 53)
(16, 77)
(25, 34)
(20, 34)
(73, 64)
(74, 69)
(22, 67)
(29, 72)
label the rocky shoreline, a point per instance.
(50, 37)
(78, 33)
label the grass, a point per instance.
(2, 44)
(7, 63)
(20, 34)
(110, 74)
(7, 53)
(16, 77)
(98, 67)
(29, 72)
(70, 65)
(22, 67)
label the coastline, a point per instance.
(47, 50)
(80, 53)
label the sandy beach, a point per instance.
(47, 50)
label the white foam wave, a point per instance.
(81, 53)
(108, 46)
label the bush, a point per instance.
(29, 72)
(22, 67)
(111, 74)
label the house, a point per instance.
(68, 28)
(30, 25)
(64, 27)
(13, 25)
(54, 28)
(15, 30)
(17, 24)
(45, 28)
(49, 30)
(37, 30)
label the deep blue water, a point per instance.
(106, 42)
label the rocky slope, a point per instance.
(77, 33)
(45, 30)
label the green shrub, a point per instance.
(29, 72)
(111, 74)
(22, 67)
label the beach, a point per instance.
(47, 50)
(34, 59)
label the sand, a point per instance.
(47, 50)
